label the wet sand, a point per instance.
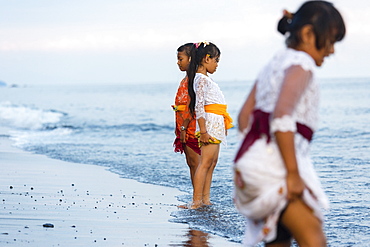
(47, 202)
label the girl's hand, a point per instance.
(295, 186)
(183, 136)
(205, 138)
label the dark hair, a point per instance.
(186, 48)
(197, 53)
(324, 18)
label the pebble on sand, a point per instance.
(48, 225)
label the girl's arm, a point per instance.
(295, 184)
(183, 132)
(186, 118)
(247, 108)
(201, 93)
(284, 127)
(204, 136)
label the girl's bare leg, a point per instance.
(193, 160)
(209, 155)
(305, 227)
(207, 185)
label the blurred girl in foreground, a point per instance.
(276, 186)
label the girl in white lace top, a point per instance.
(209, 106)
(276, 187)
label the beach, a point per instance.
(48, 202)
(79, 144)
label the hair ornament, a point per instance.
(288, 15)
(285, 22)
(205, 43)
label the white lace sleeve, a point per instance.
(200, 88)
(283, 124)
(295, 83)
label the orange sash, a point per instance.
(220, 109)
(179, 107)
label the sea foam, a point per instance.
(24, 117)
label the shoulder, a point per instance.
(183, 86)
(200, 76)
(184, 82)
(293, 57)
(202, 79)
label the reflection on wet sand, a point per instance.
(195, 239)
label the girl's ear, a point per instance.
(207, 58)
(307, 35)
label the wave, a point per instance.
(143, 127)
(23, 138)
(24, 117)
(32, 118)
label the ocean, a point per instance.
(130, 130)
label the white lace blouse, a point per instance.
(270, 81)
(208, 92)
(269, 85)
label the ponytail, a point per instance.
(197, 53)
(192, 69)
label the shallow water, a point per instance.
(129, 128)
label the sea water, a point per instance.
(130, 130)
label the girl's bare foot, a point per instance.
(196, 205)
(207, 200)
(192, 205)
(208, 203)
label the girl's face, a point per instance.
(308, 45)
(182, 60)
(212, 64)
(319, 55)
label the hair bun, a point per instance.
(284, 23)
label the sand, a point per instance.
(47, 202)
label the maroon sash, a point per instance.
(261, 126)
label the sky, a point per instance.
(135, 41)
